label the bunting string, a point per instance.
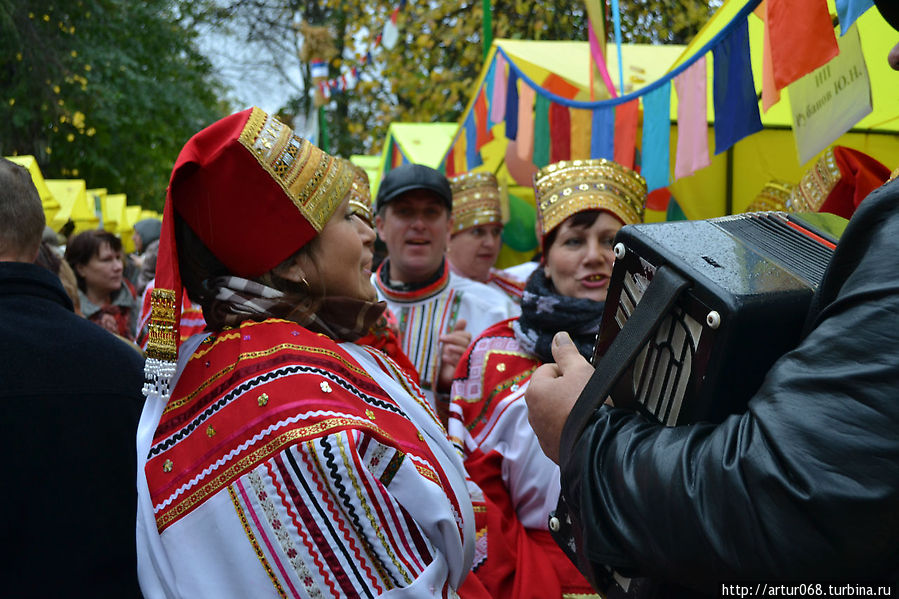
(347, 80)
(546, 126)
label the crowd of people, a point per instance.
(251, 406)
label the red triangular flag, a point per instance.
(801, 37)
(560, 132)
(451, 163)
(626, 116)
(484, 134)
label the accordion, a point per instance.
(693, 308)
(749, 281)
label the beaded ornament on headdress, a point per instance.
(570, 186)
(477, 200)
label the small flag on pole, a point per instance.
(318, 68)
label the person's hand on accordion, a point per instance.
(553, 391)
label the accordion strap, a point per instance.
(660, 295)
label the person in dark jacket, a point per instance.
(70, 400)
(803, 486)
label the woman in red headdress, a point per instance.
(581, 205)
(277, 456)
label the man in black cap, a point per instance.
(438, 311)
(802, 487)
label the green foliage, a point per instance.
(661, 22)
(104, 90)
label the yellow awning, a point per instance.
(73, 205)
(417, 143)
(50, 204)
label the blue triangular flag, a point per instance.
(488, 81)
(736, 102)
(657, 136)
(602, 138)
(512, 104)
(472, 156)
(849, 11)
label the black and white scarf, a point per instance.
(544, 312)
(340, 318)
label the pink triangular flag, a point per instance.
(498, 102)
(692, 120)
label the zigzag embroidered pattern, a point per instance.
(260, 380)
(174, 404)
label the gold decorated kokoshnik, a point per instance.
(476, 200)
(571, 186)
(773, 196)
(816, 185)
(314, 181)
(360, 194)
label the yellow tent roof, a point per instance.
(642, 63)
(95, 199)
(132, 215)
(419, 143)
(73, 204)
(51, 206)
(370, 164)
(113, 206)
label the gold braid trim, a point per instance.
(162, 340)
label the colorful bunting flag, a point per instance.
(450, 169)
(799, 50)
(602, 142)
(558, 86)
(545, 124)
(525, 122)
(459, 158)
(560, 132)
(675, 212)
(541, 131)
(498, 100)
(484, 135)
(581, 123)
(391, 33)
(770, 93)
(488, 79)
(736, 104)
(318, 68)
(626, 116)
(692, 120)
(658, 199)
(512, 105)
(657, 136)
(472, 156)
(849, 11)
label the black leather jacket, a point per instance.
(804, 485)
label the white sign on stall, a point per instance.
(827, 102)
